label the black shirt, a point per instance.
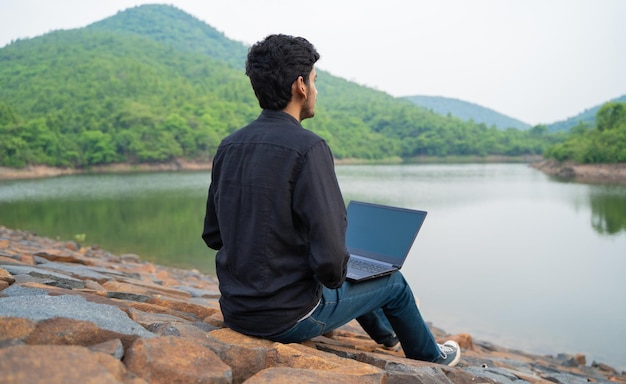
(276, 214)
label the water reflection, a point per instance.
(608, 208)
(157, 216)
(164, 228)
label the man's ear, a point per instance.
(299, 87)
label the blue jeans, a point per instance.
(382, 306)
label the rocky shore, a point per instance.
(79, 314)
(593, 173)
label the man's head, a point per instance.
(275, 64)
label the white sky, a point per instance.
(539, 61)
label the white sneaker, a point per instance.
(450, 353)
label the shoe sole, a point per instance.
(394, 348)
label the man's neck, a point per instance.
(294, 110)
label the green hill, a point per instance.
(176, 29)
(467, 111)
(152, 84)
(586, 118)
(86, 97)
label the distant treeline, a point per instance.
(603, 143)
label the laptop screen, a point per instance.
(381, 232)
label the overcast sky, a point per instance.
(539, 61)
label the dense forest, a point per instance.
(152, 84)
(603, 143)
(79, 98)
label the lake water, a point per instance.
(507, 254)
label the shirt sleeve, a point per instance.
(317, 200)
(211, 232)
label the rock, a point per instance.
(41, 307)
(47, 364)
(603, 172)
(604, 367)
(566, 173)
(62, 255)
(580, 359)
(59, 330)
(15, 328)
(6, 276)
(72, 246)
(67, 315)
(144, 288)
(178, 329)
(402, 370)
(299, 356)
(464, 340)
(130, 258)
(112, 347)
(194, 292)
(171, 360)
(77, 271)
(54, 278)
(304, 376)
(569, 360)
(494, 375)
(245, 355)
(184, 306)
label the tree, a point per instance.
(611, 115)
(7, 116)
(98, 148)
(13, 151)
(183, 134)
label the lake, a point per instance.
(507, 254)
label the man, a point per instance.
(276, 215)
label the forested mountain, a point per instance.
(152, 84)
(177, 29)
(587, 118)
(467, 111)
(81, 97)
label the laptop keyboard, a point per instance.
(365, 266)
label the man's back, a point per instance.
(277, 216)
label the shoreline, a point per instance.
(614, 173)
(44, 171)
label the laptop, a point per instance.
(379, 238)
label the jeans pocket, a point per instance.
(302, 331)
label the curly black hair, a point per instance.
(274, 63)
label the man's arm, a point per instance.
(318, 202)
(211, 232)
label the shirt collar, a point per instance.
(270, 113)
